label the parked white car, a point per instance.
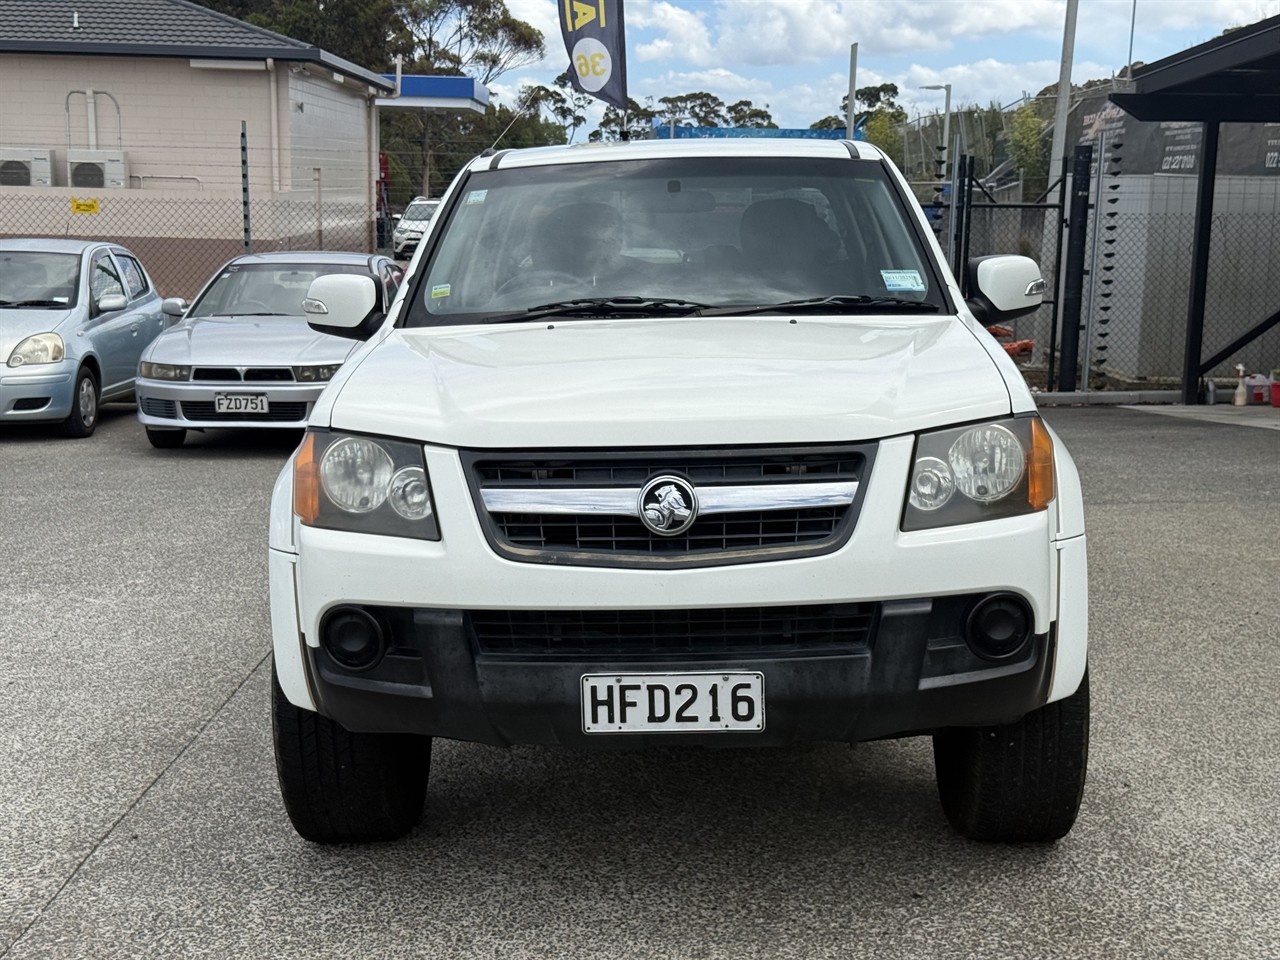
(688, 442)
(411, 225)
(242, 354)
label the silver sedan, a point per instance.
(243, 354)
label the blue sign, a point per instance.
(663, 132)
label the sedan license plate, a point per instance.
(672, 702)
(240, 403)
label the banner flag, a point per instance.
(597, 48)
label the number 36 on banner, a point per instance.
(593, 64)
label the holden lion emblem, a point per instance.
(668, 506)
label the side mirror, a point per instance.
(173, 306)
(395, 216)
(110, 302)
(343, 305)
(1003, 288)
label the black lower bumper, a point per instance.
(909, 674)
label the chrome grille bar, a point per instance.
(625, 502)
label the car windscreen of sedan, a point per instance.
(263, 289)
(34, 279)
(692, 235)
(419, 212)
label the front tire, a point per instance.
(1019, 782)
(344, 787)
(84, 406)
(166, 439)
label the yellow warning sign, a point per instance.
(84, 206)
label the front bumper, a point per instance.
(907, 676)
(190, 406)
(405, 246)
(38, 392)
(912, 675)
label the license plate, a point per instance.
(240, 403)
(672, 702)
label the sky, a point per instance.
(793, 55)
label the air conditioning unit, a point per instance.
(26, 167)
(94, 169)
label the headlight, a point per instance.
(363, 484)
(163, 371)
(982, 472)
(42, 348)
(315, 374)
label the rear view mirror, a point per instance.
(173, 306)
(1003, 288)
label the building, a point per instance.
(124, 120)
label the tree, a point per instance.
(565, 103)
(478, 38)
(703, 109)
(883, 116)
(746, 114)
(636, 123)
(1027, 149)
(369, 33)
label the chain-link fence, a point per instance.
(1138, 283)
(182, 240)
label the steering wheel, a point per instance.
(251, 306)
(534, 279)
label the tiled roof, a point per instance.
(175, 28)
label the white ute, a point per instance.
(692, 442)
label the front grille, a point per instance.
(160, 408)
(692, 634)
(268, 374)
(251, 374)
(536, 526)
(737, 531)
(278, 413)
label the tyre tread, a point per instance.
(1020, 782)
(345, 787)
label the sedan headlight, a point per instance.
(42, 348)
(315, 374)
(981, 472)
(163, 371)
(363, 484)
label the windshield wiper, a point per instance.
(32, 303)
(604, 307)
(835, 304)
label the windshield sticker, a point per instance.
(441, 290)
(477, 196)
(902, 280)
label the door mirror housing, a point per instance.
(110, 302)
(173, 306)
(343, 305)
(1003, 288)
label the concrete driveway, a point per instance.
(139, 815)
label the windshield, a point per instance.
(37, 279)
(714, 232)
(420, 211)
(264, 289)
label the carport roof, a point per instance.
(154, 28)
(1234, 78)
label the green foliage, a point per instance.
(1028, 150)
(369, 33)
(636, 123)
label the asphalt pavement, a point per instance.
(139, 813)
